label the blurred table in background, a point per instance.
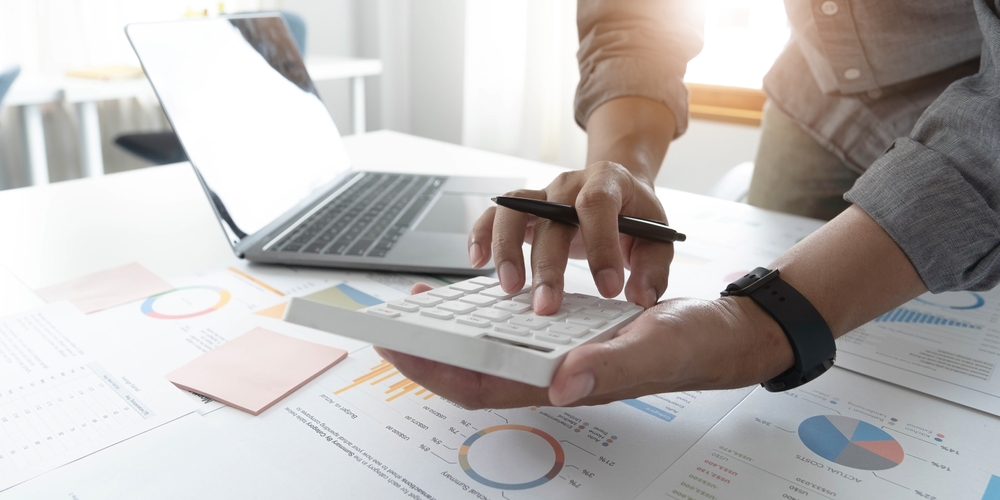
(29, 92)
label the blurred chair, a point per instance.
(7, 76)
(162, 148)
(735, 184)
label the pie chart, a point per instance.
(850, 442)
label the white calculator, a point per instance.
(474, 324)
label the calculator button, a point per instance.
(524, 298)
(457, 307)
(495, 292)
(604, 312)
(553, 338)
(511, 306)
(399, 305)
(423, 300)
(572, 305)
(586, 300)
(575, 331)
(436, 313)
(533, 322)
(485, 281)
(473, 321)
(588, 321)
(513, 330)
(492, 314)
(479, 300)
(446, 293)
(467, 287)
(617, 304)
(383, 312)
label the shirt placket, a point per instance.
(839, 35)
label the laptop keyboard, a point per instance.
(366, 219)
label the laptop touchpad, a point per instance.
(454, 213)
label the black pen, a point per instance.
(565, 214)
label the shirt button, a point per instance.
(829, 8)
(852, 73)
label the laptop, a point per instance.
(273, 165)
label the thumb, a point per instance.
(620, 363)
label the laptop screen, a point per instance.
(238, 96)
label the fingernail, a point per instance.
(608, 282)
(475, 254)
(651, 297)
(577, 387)
(508, 276)
(543, 297)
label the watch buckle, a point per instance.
(750, 282)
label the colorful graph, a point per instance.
(992, 489)
(850, 442)
(185, 302)
(385, 372)
(557, 465)
(344, 296)
(904, 315)
(962, 301)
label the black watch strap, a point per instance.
(807, 331)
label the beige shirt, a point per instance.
(856, 74)
(895, 88)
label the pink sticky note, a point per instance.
(256, 369)
(105, 289)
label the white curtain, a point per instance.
(48, 37)
(520, 78)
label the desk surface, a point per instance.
(161, 218)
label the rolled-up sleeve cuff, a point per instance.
(632, 77)
(940, 220)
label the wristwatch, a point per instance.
(807, 331)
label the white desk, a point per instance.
(29, 92)
(161, 218)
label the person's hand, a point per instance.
(680, 344)
(600, 192)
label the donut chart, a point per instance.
(185, 302)
(850, 442)
(959, 301)
(560, 458)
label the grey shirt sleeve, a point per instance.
(937, 192)
(636, 48)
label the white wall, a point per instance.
(422, 44)
(437, 69)
(697, 160)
